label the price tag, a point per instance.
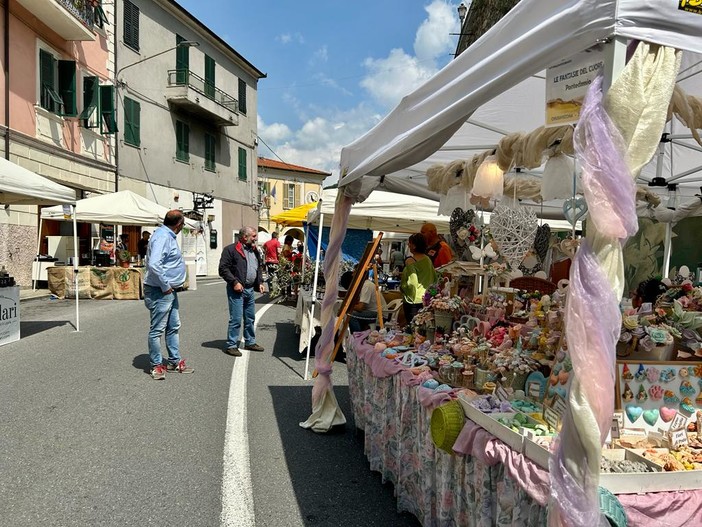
(636, 432)
(551, 417)
(678, 422)
(619, 416)
(501, 393)
(534, 390)
(678, 438)
(527, 432)
(559, 406)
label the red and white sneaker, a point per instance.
(158, 372)
(179, 367)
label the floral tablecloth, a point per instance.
(438, 488)
(474, 489)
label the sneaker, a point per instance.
(179, 367)
(158, 372)
(254, 347)
(234, 352)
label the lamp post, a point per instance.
(181, 44)
(462, 12)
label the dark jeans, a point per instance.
(411, 310)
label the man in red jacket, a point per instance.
(240, 267)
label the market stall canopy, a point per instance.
(438, 122)
(294, 217)
(19, 186)
(392, 212)
(118, 208)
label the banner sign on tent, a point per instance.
(67, 212)
(567, 83)
(9, 315)
(691, 6)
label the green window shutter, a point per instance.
(108, 119)
(182, 62)
(131, 25)
(99, 17)
(91, 94)
(242, 96)
(132, 122)
(46, 80)
(209, 152)
(209, 76)
(242, 164)
(67, 86)
(182, 141)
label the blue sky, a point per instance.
(334, 68)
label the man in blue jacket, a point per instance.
(240, 267)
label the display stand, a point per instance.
(352, 293)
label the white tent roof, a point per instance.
(118, 208)
(19, 186)
(451, 111)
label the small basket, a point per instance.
(444, 319)
(612, 508)
(446, 423)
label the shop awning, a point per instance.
(19, 186)
(294, 217)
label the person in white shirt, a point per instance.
(365, 311)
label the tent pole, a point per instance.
(314, 295)
(75, 265)
(304, 253)
(35, 278)
(667, 248)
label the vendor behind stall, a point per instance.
(365, 311)
(647, 293)
(417, 276)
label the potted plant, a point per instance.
(124, 257)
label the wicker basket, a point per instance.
(446, 423)
(612, 509)
(531, 284)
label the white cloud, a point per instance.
(287, 38)
(434, 39)
(320, 56)
(274, 133)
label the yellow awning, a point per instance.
(294, 217)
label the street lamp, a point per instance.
(181, 44)
(462, 12)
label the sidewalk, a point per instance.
(27, 293)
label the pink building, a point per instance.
(57, 111)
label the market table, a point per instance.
(485, 482)
(105, 283)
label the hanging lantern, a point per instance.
(557, 180)
(489, 180)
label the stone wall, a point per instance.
(18, 246)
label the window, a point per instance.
(242, 96)
(99, 16)
(182, 62)
(108, 119)
(210, 152)
(91, 99)
(131, 25)
(57, 84)
(209, 76)
(132, 121)
(290, 197)
(242, 164)
(182, 141)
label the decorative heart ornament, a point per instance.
(667, 414)
(633, 412)
(575, 209)
(542, 240)
(651, 416)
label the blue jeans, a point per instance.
(241, 305)
(164, 318)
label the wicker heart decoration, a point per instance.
(542, 241)
(513, 228)
(575, 209)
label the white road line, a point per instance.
(237, 488)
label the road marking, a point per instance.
(237, 488)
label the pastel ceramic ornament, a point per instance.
(686, 406)
(640, 374)
(575, 209)
(651, 416)
(563, 377)
(670, 398)
(627, 395)
(626, 373)
(641, 396)
(633, 412)
(431, 384)
(667, 414)
(667, 375)
(380, 347)
(656, 392)
(686, 389)
(443, 388)
(653, 374)
(684, 271)
(553, 379)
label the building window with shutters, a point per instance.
(108, 117)
(90, 115)
(182, 62)
(131, 25)
(210, 143)
(291, 199)
(182, 141)
(209, 77)
(242, 164)
(242, 96)
(132, 122)
(56, 90)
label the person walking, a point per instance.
(417, 276)
(240, 267)
(271, 249)
(397, 258)
(163, 280)
(437, 249)
(143, 244)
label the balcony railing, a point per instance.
(83, 10)
(197, 83)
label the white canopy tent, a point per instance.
(431, 124)
(19, 186)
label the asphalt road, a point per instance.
(87, 438)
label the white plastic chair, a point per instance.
(393, 309)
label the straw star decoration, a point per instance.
(513, 228)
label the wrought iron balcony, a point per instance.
(71, 19)
(192, 92)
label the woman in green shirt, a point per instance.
(417, 276)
